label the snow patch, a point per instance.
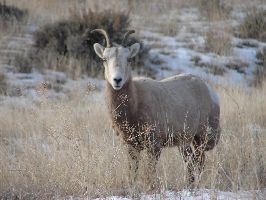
(196, 195)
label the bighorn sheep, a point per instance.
(178, 111)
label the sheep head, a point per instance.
(116, 59)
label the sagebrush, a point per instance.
(217, 42)
(3, 83)
(254, 25)
(260, 72)
(9, 13)
(63, 46)
(11, 19)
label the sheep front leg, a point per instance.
(133, 161)
(153, 156)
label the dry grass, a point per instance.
(260, 72)
(11, 19)
(210, 67)
(11, 13)
(254, 25)
(42, 10)
(169, 27)
(218, 42)
(3, 84)
(60, 148)
(145, 11)
(58, 9)
(214, 9)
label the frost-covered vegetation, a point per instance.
(55, 137)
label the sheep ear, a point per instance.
(99, 49)
(134, 49)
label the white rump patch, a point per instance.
(213, 95)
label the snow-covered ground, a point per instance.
(191, 195)
(169, 55)
(175, 58)
(185, 52)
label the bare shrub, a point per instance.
(3, 84)
(22, 64)
(196, 60)
(10, 13)
(261, 55)
(57, 45)
(213, 68)
(57, 35)
(210, 67)
(260, 72)
(218, 42)
(238, 65)
(254, 25)
(64, 39)
(11, 18)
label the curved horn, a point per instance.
(103, 32)
(126, 36)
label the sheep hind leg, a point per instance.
(213, 137)
(213, 133)
(194, 159)
(187, 154)
(199, 155)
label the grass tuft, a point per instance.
(254, 25)
(22, 64)
(260, 72)
(214, 9)
(3, 84)
(217, 42)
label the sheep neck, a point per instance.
(122, 103)
(122, 106)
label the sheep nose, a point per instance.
(117, 80)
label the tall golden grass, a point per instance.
(67, 147)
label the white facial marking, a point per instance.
(213, 95)
(116, 64)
